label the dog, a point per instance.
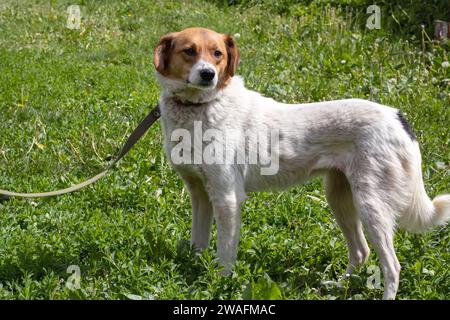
(366, 152)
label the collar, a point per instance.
(185, 103)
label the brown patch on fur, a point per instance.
(162, 53)
(232, 60)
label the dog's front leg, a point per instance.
(225, 186)
(227, 216)
(202, 213)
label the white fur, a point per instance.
(372, 167)
(194, 75)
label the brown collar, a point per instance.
(187, 103)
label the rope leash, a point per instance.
(134, 137)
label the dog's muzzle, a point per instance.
(203, 75)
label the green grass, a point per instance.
(68, 98)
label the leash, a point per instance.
(141, 129)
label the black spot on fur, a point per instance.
(406, 126)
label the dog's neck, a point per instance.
(186, 103)
(191, 98)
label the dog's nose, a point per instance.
(207, 74)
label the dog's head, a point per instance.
(196, 59)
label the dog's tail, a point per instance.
(424, 213)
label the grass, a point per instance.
(68, 98)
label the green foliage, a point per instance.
(263, 289)
(68, 98)
(398, 16)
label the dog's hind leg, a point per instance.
(378, 219)
(340, 199)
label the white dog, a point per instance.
(366, 152)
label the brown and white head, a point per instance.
(195, 63)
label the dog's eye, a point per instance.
(189, 51)
(217, 53)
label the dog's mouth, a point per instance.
(202, 85)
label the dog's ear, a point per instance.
(233, 55)
(162, 52)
